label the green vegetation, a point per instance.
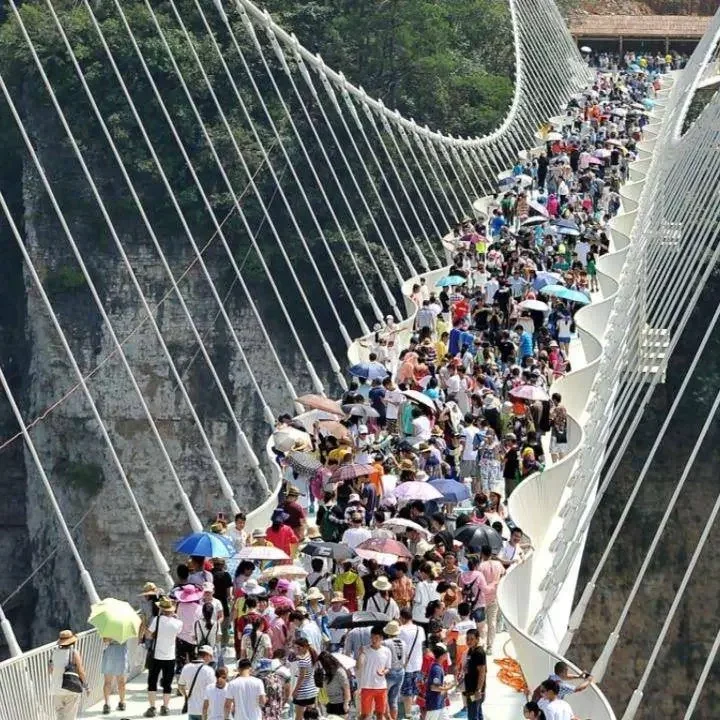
(87, 477)
(65, 279)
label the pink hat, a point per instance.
(280, 601)
(188, 593)
(283, 585)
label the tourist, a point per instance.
(373, 665)
(194, 679)
(163, 632)
(115, 667)
(214, 697)
(67, 676)
(245, 695)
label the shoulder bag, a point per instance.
(71, 679)
(192, 685)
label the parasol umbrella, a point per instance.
(293, 572)
(334, 551)
(566, 293)
(318, 402)
(596, 161)
(419, 398)
(351, 472)
(288, 437)
(585, 49)
(648, 103)
(545, 277)
(567, 231)
(534, 220)
(522, 180)
(529, 392)
(416, 490)
(334, 428)
(450, 280)
(538, 207)
(452, 491)
(474, 537)
(262, 552)
(562, 223)
(401, 525)
(602, 153)
(359, 410)
(619, 111)
(114, 619)
(534, 305)
(303, 463)
(615, 142)
(552, 136)
(386, 546)
(360, 618)
(369, 371)
(206, 544)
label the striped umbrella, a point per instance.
(350, 472)
(303, 463)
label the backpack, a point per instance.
(329, 530)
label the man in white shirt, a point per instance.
(245, 695)
(162, 633)
(469, 451)
(214, 697)
(414, 638)
(194, 678)
(356, 533)
(237, 532)
(553, 707)
(374, 663)
(511, 553)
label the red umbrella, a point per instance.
(529, 392)
(350, 472)
(386, 546)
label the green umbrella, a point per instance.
(115, 619)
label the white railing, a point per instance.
(25, 692)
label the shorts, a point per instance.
(306, 702)
(478, 614)
(410, 684)
(372, 700)
(437, 714)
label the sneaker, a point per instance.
(164, 710)
(150, 712)
(121, 706)
(106, 709)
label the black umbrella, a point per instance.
(475, 536)
(336, 551)
(361, 618)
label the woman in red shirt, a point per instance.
(282, 536)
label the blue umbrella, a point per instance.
(648, 103)
(569, 224)
(567, 231)
(206, 544)
(452, 490)
(369, 371)
(450, 280)
(566, 293)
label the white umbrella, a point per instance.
(585, 49)
(602, 153)
(620, 112)
(534, 305)
(419, 398)
(534, 220)
(539, 208)
(416, 490)
(286, 438)
(552, 136)
(614, 141)
(401, 525)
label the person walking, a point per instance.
(245, 695)
(474, 674)
(163, 632)
(67, 673)
(194, 679)
(115, 666)
(214, 697)
(373, 665)
(399, 654)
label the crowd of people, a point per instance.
(373, 591)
